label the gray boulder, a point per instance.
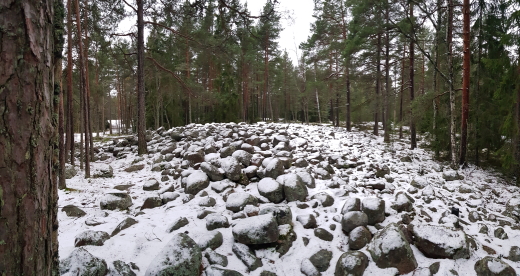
(351, 204)
(237, 201)
(196, 182)
(358, 238)
(91, 237)
(271, 189)
(215, 221)
(115, 200)
(403, 202)
(514, 254)
(490, 266)
(215, 258)
(180, 257)
(374, 208)
(293, 187)
(437, 241)
(70, 171)
(308, 221)
(243, 157)
(321, 259)
(81, 263)
(282, 213)
(260, 229)
(212, 239)
(451, 175)
(151, 185)
(389, 248)
(73, 211)
(419, 182)
(213, 172)
(352, 263)
(324, 199)
(513, 208)
(353, 219)
(217, 271)
(151, 202)
(168, 197)
(121, 269)
(274, 168)
(307, 179)
(177, 224)
(126, 223)
(247, 256)
(102, 171)
(232, 168)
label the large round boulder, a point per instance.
(293, 187)
(353, 219)
(260, 229)
(196, 182)
(490, 266)
(180, 257)
(271, 189)
(352, 263)
(437, 241)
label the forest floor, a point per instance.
(407, 186)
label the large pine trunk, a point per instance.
(141, 120)
(413, 133)
(28, 140)
(465, 84)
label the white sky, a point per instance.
(296, 23)
(296, 30)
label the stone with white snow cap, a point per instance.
(324, 199)
(353, 219)
(351, 204)
(513, 207)
(247, 256)
(151, 185)
(196, 182)
(212, 239)
(102, 171)
(389, 248)
(274, 168)
(237, 201)
(215, 221)
(374, 208)
(308, 221)
(282, 213)
(358, 238)
(115, 200)
(451, 175)
(271, 189)
(307, 179)
(436, 241)
(352, 263)
(243, 157)
(419, 182)
(213, 172)
(490, 266)
(232, 168)
(293, 187)
(91, 237)
(260, 229)
(81, 263)
(180, 257)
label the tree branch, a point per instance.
(183, 84)
(133, 8)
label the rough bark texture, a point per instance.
(28, 139)
(465, 84)
(70, 114)
(412, 85)
(387, 125)
(449, 41)
(141, 120)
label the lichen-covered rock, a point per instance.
(260, 229)
(121, 269)
(490, 266)
(213, 172)
(321, 259)
(212, 239)
(353, 219)
(436, 241)
(91, 237)
(196, 182)
(274, 168)
(215, 221)
(215, 258)
(180, 257)
(237, 201)
(293, 187)
(352, 263)
(374, 208)
(217, 271)
(115, 200)
(81, 263)
(389, 248)
(247, 256)
(271, 189)
(282, 213)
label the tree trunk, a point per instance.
(465, 83)
(61, 128)
(347, 74)
(387, 75)
(401, 94)
(70, 111)
(141, 120)
(449, 41)
(28, 139)
(84, 80)
(412, 86)
(378, 85)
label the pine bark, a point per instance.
(413, 133)
(28, 140)
(141, 120)
(449, 41)
(378, 85)
(387, 76)
(70, 112)
(465, 83)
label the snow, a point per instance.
(496, 266)
(142, 242)
(448, 240)
(268, 185)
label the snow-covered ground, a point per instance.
(345, 166)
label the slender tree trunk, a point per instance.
(449, 41)
(316, 91)
(90, 148)
(84, 80)
(347, 74)
(70, 107)
(141, 119)
(517, 142)
(401, 121)
(378, 85)
(465, 83)
(387, 75)
(61, 128)
(412, 85)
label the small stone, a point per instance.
(73, 211)
(359, 237)
(514, 254)
(321, 260)
(323, 234)
(352, 263)
(215, 221)
(493, 266)
(91, 237)
(501, 233)
(308, 221)
(247, 256)
(151, 185)
(126, 223)
(177, 224)
(152, 202)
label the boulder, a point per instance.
(282, 213)
(180, 257)
(81, 263)
(514, 254)
(215, 221)
(324, 199)
(308, 221)
(321, 260)
(123, 225)
(323, 234)
(196, 182)
(351, 204)
(115, 200)
(247, 256)
(271, 189)
(274, 168)
(513, 208)
(490, 266)
(220, 186)
(232, 169)
(389, 248)
(403, 202)
(73, 211)
(213, 172)
(353, 219)
(151, 202)
(121, 269)
(217, 271)
(359, 237)
(419, 182)
(307, 179)
(374, 208)
(177, 224)
(215, 258)
(437, 241)
(70, 171)
(91, 237)
(308, 269)
(212, 239)
(102, 171)
(168, 197)
(451, 175)
(293, 187)
(352, 263)
(151, 185)
(237, 201)
(260, 229)
(243, 157)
